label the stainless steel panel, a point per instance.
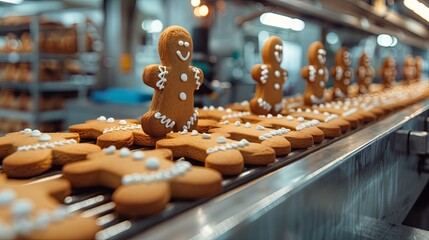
(328, 194)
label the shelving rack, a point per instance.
(79, 82)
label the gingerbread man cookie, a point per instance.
(30, 152)
(217, 151)
(174, 81)
(419, 68)
(365, 73)
(269, 78)
(33, 211)
(144, 181)
(342, 73)
(409, 70)
(274, 138)
(110, 131)
(316, 74)
(388, 72)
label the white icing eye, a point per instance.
(194, 133)
(110, 150)
(21, 208)
(181, 43)
(36, 133)
(206, 136)
(152, 163)
(221, 140)
(138, 155)
(182, 96)
(186, 44)
(124, 152)
(122, 122)
(101, 118)
(183, 77)
(237, 123)
(26, 131)
(44, 138)
(110, 120)
(248, 125)
(6, 196)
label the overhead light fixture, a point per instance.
(195, 3)
(332, 38)
(386, 40)
(281, 21)
(12, 1)
(152, 26)
(201, 11)
(418, 8)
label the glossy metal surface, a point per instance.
(330, 193)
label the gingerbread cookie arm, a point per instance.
(118, 139)
(23, 164)
(155, 76)
(72, 152)
(6, 147)
(305, 73)
(83, 174)
(69, 135)
(196, 183)
(257, 73)
(198, 76)
(85, 130)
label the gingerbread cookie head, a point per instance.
(365, 73)
(315, 74)
(409, 70)
(270, 78)
(388, 72)
(174, 81)
(33, 211)
(341, 73)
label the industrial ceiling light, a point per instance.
(281, 21)
(12, 1)
(195, 3)
(418, 7)
(386, 40)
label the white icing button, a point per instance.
(322, 83)
(321, 71)
(124, 152)
(269, 116)
(101, 118)
(194, 133)
(289, 117)
(122, 122)
(276, 86)
(6, 196)
(237, 123)
(221, 140)
(182, 96)
(138, 155)
(44, 138)
(300, 119)
(259, 127)
(308, 110)
(27, 131)
(110, 120)
(211, 108)
(277, 73)
(279, 116)
(110, 150)
(36, 133)
(299, 110)
(248, 125)
(220, 108)
(206, 136)
(183, 77)
(152, 163)
(21, 208)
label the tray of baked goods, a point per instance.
(113, 178)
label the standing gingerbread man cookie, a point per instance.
(270, 78)
(388, 72)
(316, 74)
(409, 72)
(365, 73)
(174, 81)
(342, 73)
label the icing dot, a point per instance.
(101, 118)
(308, 110)
(279, 116)
(299, 110)
(36, 133)
(220, 108)
(185, 131)
(6, 196)
(237, 123)
(110, 150)
(269, 116)
(289, 117)
(316, 112)
(180, 43)
(182, 96)
(221, 140)
(138, 155)
(211, 108)
(206, 136)
(247, 125)
(277, 86)
(194, 133)
(300, 119)
(27, 131)
(44, 138)
(124, 152)
(152, 163)
(183, 77)
(110, 120)
(42, 220)
(277, 73)
(21, 208)
(186, 44)
(122, 122)
(259, 127)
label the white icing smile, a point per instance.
(321, 56)
(179, 53)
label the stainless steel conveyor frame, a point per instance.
(342, 191)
